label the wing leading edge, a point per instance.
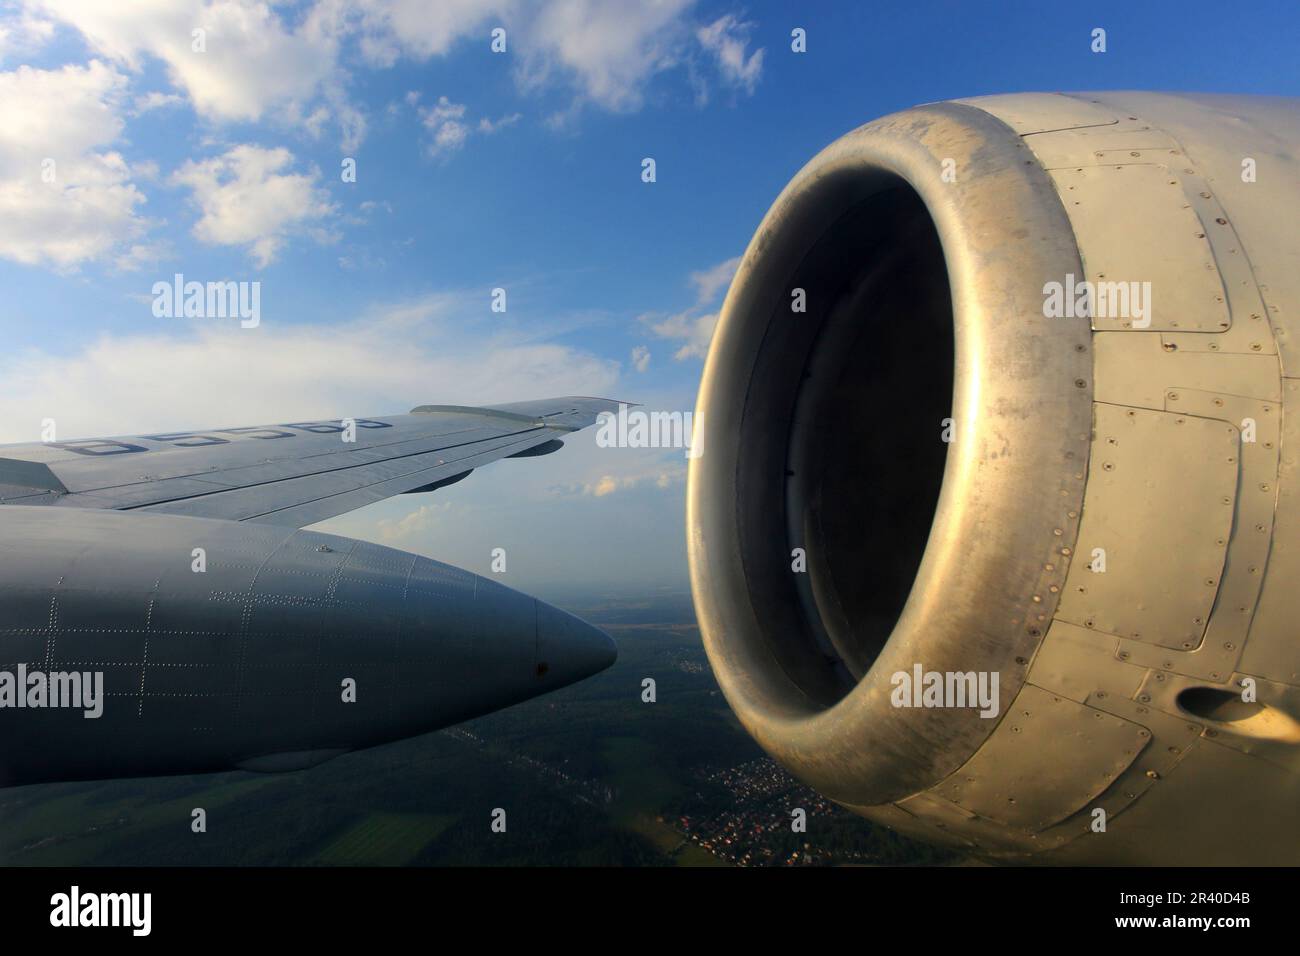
(290, 474)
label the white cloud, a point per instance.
(488, 126)
(709, 282)
(252, 64)
(446, 126)
(65, 198)
(450, 128)
(640, 358)
(260, 61)
(608, 49)
(201, 373)
(156, 101)
(392, 29)
(609, 484)
(142, 254)
(726, 39)
(413, 526)
(694, 326)
(605, 51)
(23, 33)
(248, 198)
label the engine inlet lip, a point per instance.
(1014, 469)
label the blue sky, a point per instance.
(475, 170)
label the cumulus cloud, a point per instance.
(413, 526)
(604, 51)
(249, 61)
(607, 49)
(640, 358)
(247, 197)
(694, 326)
(65, 196)
(245, 64)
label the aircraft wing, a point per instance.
(290, 474)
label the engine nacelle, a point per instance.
(995, 535)
(218, 645)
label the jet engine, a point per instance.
(994, 527)
(194, 645)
